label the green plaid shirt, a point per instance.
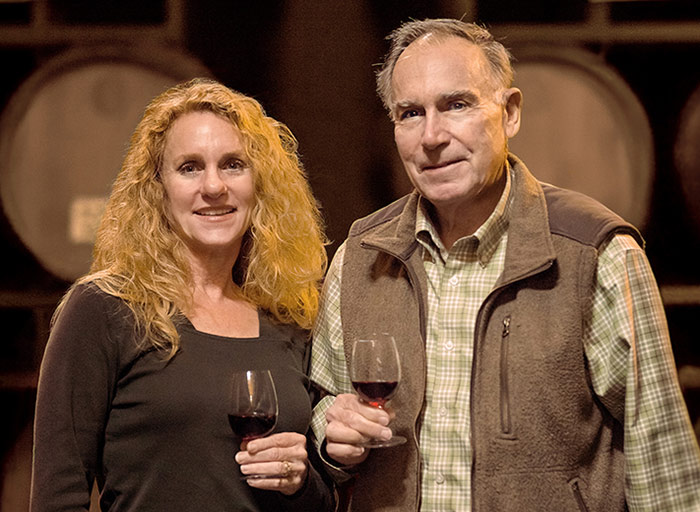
(627, 347)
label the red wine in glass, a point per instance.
(252, 409)
(375, 394)
(375, 373)
(251, 426)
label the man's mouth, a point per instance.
(439, 165)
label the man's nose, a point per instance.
(434, 131)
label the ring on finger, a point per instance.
(287, 468)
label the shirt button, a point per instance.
(439, 478)
(449, 345)
(442, 411)
(454, 280)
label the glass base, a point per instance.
(377, 443)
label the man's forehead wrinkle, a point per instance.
(476, 84)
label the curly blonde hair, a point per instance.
(138, 256)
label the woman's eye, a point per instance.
(235, 165)
(187, 168)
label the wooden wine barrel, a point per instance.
(686, 154)
(583, 128)
(63, 135)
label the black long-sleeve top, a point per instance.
(154, 432)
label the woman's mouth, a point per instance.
(215, 212)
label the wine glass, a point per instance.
(252, 411)
(375, 372)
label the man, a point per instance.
(537, 368)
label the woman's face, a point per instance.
(208, 182)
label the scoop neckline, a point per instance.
(190, 327)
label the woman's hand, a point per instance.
(282, 455)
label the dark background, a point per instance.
(311, 64)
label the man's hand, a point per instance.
(350, 423)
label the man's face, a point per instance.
(451, 122)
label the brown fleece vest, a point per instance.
(540, 438)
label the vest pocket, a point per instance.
(575, 485)
(506, 421)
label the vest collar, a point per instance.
(397, 235)
(530, 248)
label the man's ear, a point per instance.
(512, 104)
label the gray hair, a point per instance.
(498, 57)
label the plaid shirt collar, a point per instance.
(485, 239)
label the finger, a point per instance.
(348, 408)
(261, 468)
(346, 454)
(292, 475)
(282, 468)
(390, 411)
(353, 428)
(273, 454)
(338, 432)
(353, 403)
(286, 486)
(279, 440)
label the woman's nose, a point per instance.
(213, 185)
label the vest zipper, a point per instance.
(479, 332)
(506, 426)
(578, 495)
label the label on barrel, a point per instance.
(84, 218)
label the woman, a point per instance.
(207, 260)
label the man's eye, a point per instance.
(406, 114)
(457, 105)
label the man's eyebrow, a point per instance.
(467, 95)
(461, 94)
(405, 104)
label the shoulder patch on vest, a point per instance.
(581, 218)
